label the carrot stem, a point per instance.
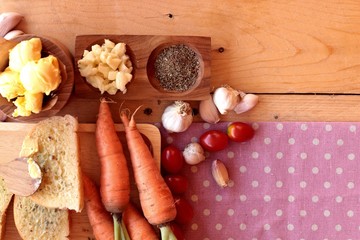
(166, 233)
(123, 227)
(120, 232)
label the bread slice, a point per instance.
(35, 222)
(54, 145)
(5, 198)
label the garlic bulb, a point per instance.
(226, 98)
(193, 153)
(177, 117)
(208, 111)
(247, 102)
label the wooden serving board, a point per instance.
(12, 135)
(142, 50)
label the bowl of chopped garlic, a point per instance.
(38, 79)
(107, 66)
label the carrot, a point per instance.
(137, 226)
(156, 200)
(114, 174)
(100, 220)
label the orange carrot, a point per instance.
(156, 200)
(114, 175)
(100, 220)
(137, 226)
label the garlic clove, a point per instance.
(225, 99)
(193, 153)
(220, 173)
(248, 102)
(12, 34)
(9, 20)
(208, 111)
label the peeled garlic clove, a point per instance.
(225, 99)
(9, 20)
(12, 34)
(220, 173)
(208, 111)
(248, 102)
(193, 153)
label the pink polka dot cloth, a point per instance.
(297, 180)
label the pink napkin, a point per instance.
(291, 181)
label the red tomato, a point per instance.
(172, 159)
(177, 183)
(176, 229)
(185, 211)
(240, 132)
(213, 140)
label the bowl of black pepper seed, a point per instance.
(175, 68)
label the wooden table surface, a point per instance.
(301, 57)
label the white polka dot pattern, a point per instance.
(291, 181)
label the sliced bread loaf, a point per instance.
(5, 198)
(53, 143)
(35, 222)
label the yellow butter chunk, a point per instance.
(10, 84)
(29, 147)
(41, 76)
(33, 102)
(20, 108)
(27, 104)
(23, 52)
(34, 169)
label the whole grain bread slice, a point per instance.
(35, 222)
(5, 198)
(53, 143)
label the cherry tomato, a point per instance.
(176, 229)
(240, 132)
(185, 211)
(177, 183)
(172, 159)
(214, 140)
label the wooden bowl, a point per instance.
(143, 50)
(155, 82)
(53, 103)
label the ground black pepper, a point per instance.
(177, 68)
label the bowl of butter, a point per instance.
(37, 80)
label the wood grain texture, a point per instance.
(17, 177)
(143, 50)
(271, 108)
(80, 227)
(266, 47)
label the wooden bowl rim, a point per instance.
(63, 92)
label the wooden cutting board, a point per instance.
(12, 135)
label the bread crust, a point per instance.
(54, 145)
(5, 200)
